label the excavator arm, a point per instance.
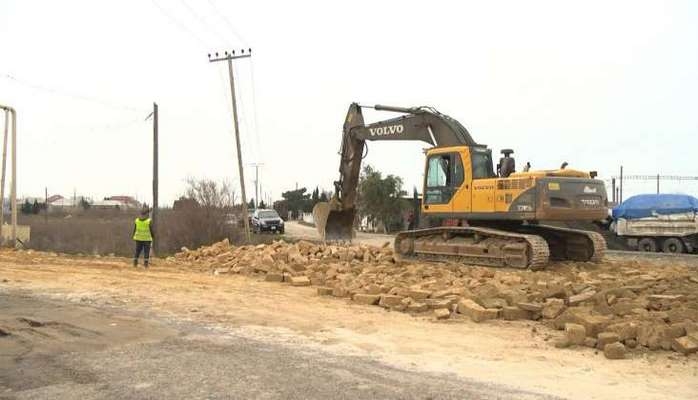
(335, 220)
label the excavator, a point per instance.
(470, 212)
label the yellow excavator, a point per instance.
(471, 212)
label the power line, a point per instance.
(243, 111)
(254, 105)
(662, 177)
(179, 24)
(204, 23)
(60, 92)
(228, 23)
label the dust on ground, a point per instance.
(515, 353)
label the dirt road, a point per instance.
(68, 350)
(362, 345)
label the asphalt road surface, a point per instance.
(54, 349)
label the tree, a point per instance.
(203, 215)
(210, 194)
(36, 207)
(250, 204)
(325, 196)
(85, 204)
(297, 200)
(379, 198)
(316, 196)
(26, 207)
(262, 204)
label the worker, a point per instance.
(564, 165)
(143, 236)
(410, 221)
(527, 167)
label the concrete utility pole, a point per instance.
(230, 57)
(155, 177)
(256, 183)
(4, 166)
(13, 187)
(620, 196)
(613, 189)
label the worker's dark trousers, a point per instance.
(144, 246)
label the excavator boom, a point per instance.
(335, 220)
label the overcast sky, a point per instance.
(596, 84)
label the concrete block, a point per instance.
(300, 281)
(390, 301)
(580, 298)
(605, 338)
(274, 277)
(534, 307)
(684, 345)
(324, 291)
(475, 311)
(442, 313)
(614, 351)
(552, 308)
(511, 313)
(575, 333)
(417, 307)
(368, 299)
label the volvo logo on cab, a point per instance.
(387, 130)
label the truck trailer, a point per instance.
(658, 222)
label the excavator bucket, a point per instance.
(333, 224)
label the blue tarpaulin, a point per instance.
(647, 205)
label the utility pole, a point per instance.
(13, 186)
(620, 196)
(256, 183)
(229, 57)
(155, 176)
(4, 166)
(657, 183)
(613, 189)
(46, 205)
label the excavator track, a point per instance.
(569, 244)
(473, 245)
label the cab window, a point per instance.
(444, 176)
(482, 165)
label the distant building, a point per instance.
(109, 205)
(58, 202)
(124, 201)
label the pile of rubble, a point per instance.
(615, 306)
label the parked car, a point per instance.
(267, 221)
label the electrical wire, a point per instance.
(205, 23)
(254, 106)
(179, 24)
(60, 92)
(243, 112)
(227, 22)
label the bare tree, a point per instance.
(207, 216)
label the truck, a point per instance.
(658, 222)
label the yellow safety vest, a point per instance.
(143, 230)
